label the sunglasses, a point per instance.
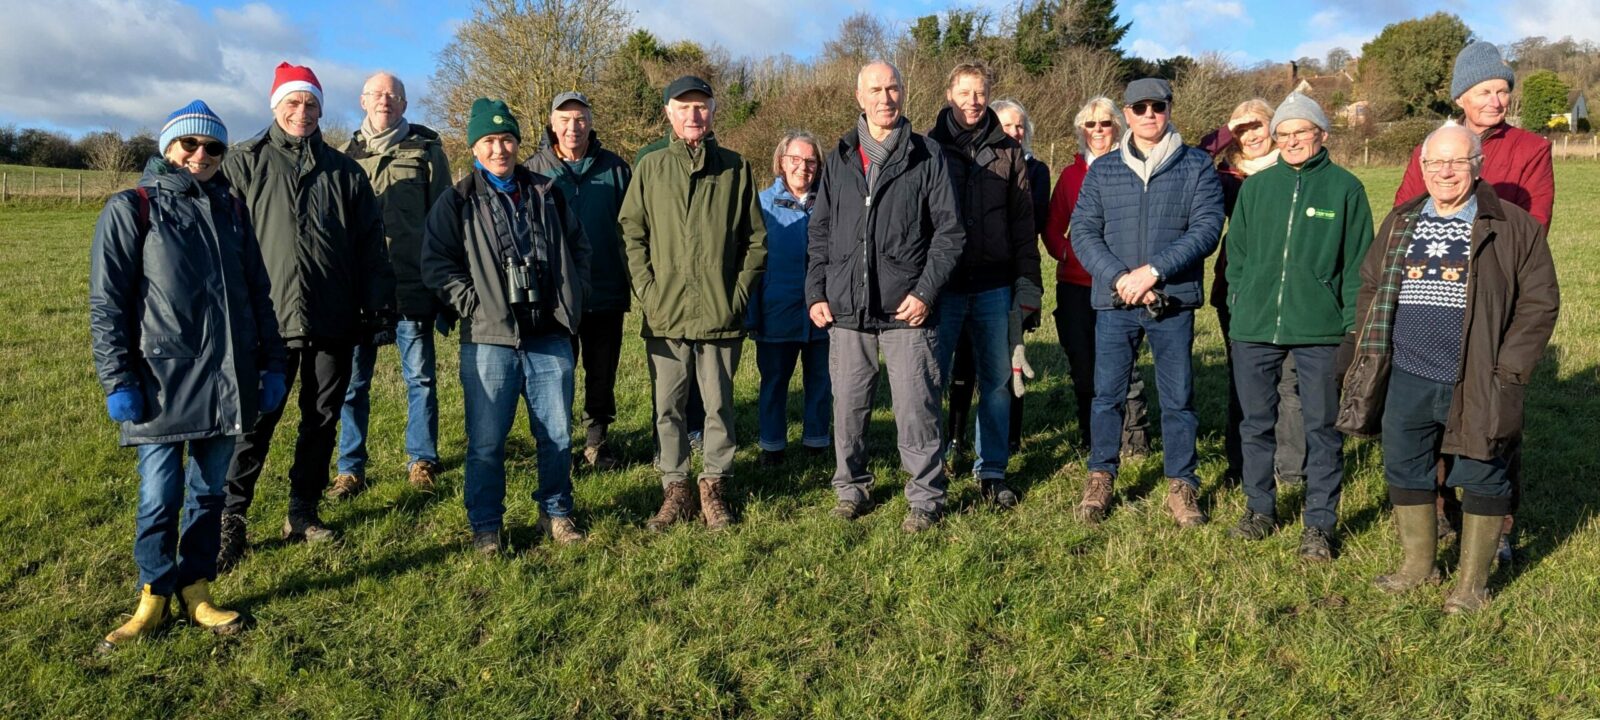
(1102, 124)
(214, 148)
(1138, 108)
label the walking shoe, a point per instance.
(1254, 526)
(234, 541)
(423, 474)
(487, 542)
(199, 608)
(1096, 497)
(997, 492)
(918, 520)
(346, 486)
(1181, 504)
(306, 527)
(852, 509)
(599, 457)
(1316, 545)
(677, 505)
(560, 529)
(770, 458)
(147, 618)
(712, 508)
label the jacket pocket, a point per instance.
(168, 347)
(1505, 407)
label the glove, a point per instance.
(1020, 368)
(444, 324)
(125, 404)
(1342, 358)
(1027, 297)
(273, 390)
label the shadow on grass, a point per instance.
(316, 580)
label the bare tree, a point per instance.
(861, 38)
(1205, 95)
(105, 151)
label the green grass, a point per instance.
(791, 613)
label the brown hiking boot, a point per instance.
(346, 486)
(599, 457)
(423, 474)
(1096, 497)
(560, 529)
(678, 505)
(712, 508)
(1181, 504)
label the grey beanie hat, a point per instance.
(1476, 63)
(1299, 107)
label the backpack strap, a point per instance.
(141, 220)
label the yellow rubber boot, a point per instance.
(149, 616)
(197, 605)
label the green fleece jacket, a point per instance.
(1295, 244)
(695, 241)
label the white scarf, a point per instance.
(1155, 157)
(1251, 167)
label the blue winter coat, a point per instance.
(778, 311)
(1172, 224)
(183, 312)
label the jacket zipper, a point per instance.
(1283, 273)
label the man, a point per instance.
(692, 230)
(997, 283)
(1145, 221)
(594, 180)
(407, 167)
(1299, 231)
(1458, 302)
(885, 237)
(505, 249)
(1516, 163)
(321, 234)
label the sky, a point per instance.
(83, 65)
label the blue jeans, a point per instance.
(983, 316)
(776, 362)
(493, 378)
(1117, 337)
(1257, 375)
(414, 340)
(167, 558)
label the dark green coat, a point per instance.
(1295, 244)
(407, 178)
(595, 187)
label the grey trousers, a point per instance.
(914, 387)
(710, 364)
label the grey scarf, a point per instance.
(878, 152)
(1146, 166)
(379, 141)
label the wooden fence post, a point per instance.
(5, 187)
(62, 180)
(80, 189)
(35, 178)
(1366, 149)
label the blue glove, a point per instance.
(125, 404)
(273, 391)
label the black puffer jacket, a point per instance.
(180, 308)
(321, 235)
(991, 183)
(865, 257)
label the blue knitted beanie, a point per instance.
(193, 119)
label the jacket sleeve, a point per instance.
(444, 257)
(271, 356)
(1357, 239)
(1411, 184)
(1533, 319)
(439, 180)
(819, 234)
(1205, 224)
(1088, 232)
(949, 238)
(1061, 204)
(366, 232)
(751, 236)
(634, 222)
(1024, 234)
(115, 271)
(1540, 180)
(1372, 271)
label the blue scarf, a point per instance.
(506, 185)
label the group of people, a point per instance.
(230, 273)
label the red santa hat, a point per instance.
(294, 78)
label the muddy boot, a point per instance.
(678, 505)
(423, 474)
(1096, 497)
(1479, 536)
(197, 606)
(712, 507)
(346, 486)
(235, 534)
(1419, 542)
(563, 530)
(1182, 504)
(149, 616)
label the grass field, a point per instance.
(1024, 614)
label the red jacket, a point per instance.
(1516, 162)
(1069, 270)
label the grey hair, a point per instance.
(1087, 112)
(398, 83)
(790, 138)
(1027, 120)
(898, 78)
(1476, 143)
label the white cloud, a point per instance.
(1170, 28)
(745, 28)
(1554, 19)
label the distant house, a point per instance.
(1577, 114)
(1334, 91)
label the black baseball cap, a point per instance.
(686, 84)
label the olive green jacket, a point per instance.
(407, 178)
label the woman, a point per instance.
(777, 314)
(186, 347)
(1098, 126)
(1014, 122)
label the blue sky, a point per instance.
(80, 65)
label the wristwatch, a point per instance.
(1154, 272)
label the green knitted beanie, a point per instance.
(489, 117)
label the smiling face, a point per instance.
(384, 100)
(1298, 141)
(1101, 131)
(690, 115)
(570, 124)
(968, 96)
(1484, 105)
(199, 162)
(1252, 136)
(497, 152)
(1013, 124)
(1448, 167)
(800, 163)
(297, 113)
(878, 92)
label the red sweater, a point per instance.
(1069, 270)
(1516, 162)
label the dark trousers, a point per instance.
(1414, 417)
(1290, 460)
(1075, 323)
(1257, 372)
(598, 346)
(963, 385)
(323, 371)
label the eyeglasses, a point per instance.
(1456, 164)
(213, 148)
(799, 161)
(1158, 106)
(1102, 124)
(375, 95)
(1296, 135)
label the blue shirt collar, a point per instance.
(1468, 212)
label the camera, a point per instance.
(1154, 310)
(520, 286)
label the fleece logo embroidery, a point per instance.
(1312, 212)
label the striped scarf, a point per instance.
(878, 152)
(1378, 328)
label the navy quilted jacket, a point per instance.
(1121, 224)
